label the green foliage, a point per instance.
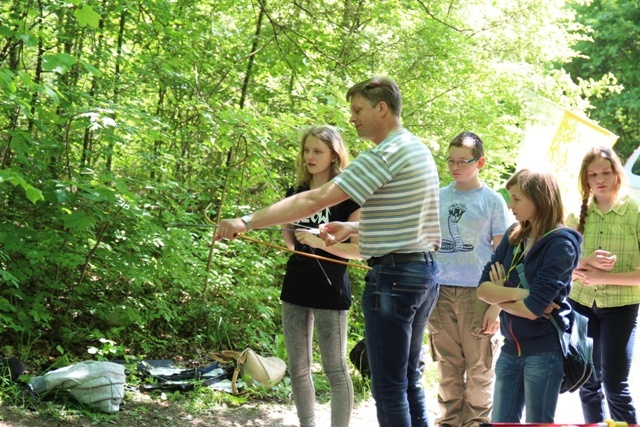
(15, 178)
(609, 54)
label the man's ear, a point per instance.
(382, 108)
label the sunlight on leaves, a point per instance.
(87, 16)
(59, 63)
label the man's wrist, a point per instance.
(248, 222)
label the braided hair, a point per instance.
(583, 180)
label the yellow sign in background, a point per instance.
(557, 140)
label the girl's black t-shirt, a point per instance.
(305, 283)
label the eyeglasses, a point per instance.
(460, 163)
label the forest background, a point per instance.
(125, 124)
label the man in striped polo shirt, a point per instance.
(396, 183)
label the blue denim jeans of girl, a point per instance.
(396, 302)
(527, 382)
(614, 335)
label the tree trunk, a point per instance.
(252, 54)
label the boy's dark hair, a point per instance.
(469, 140)
(379, 89)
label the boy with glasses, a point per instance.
(462, 328)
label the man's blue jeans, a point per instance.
(531, 382)
(397, 302)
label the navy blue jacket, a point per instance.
(548, 266)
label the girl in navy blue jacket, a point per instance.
(529, 277)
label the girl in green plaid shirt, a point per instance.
(606, 287)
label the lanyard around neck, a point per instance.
(517, 257)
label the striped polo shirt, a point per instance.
(396, 183)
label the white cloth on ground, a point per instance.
(97, 384)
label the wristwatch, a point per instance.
(247, 220)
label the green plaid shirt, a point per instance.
(617, 231)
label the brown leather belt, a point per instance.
(398, 258)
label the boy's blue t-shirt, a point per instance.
(468, 221)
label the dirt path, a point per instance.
(147, 412)
(364, 415)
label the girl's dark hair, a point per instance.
(583, 179)
(542, 189)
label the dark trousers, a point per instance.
(614, 332)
